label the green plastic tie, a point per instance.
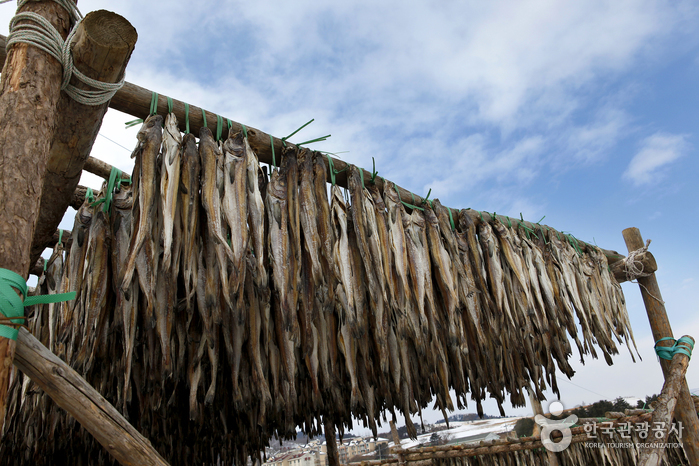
(667, 352)
(509, 223)
(89, 195)
(412, 206)
(11, 305)
(332, 169)
(203, 114)
(428, 195)
(274, 162)
(131, 123)
(46, 263)
(373, 171)
(361, 175)
(60, 237)
(169, 104)
(481, 214)
(539, 222)
(451, 219)
(153, 103)
(186, 118)
(219, 127)
(299, 129)
(245, 131)
(322, 138)
(110, 187)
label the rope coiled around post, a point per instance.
(39, 32)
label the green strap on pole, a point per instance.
(451, 219)
(153, 103)
(169, 104)
(332, 169)
(219, 127)
(89, 196)
(186, 118)
(245, 131)
(274, 162)
(299, 129)
(203, 114)
(11, 305)
(667, 352)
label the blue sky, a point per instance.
(585, 112)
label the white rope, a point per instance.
(39, 32)
(634, 269)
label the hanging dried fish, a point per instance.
(189, 202)
(149, 137)
(169, 183)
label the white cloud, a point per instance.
(657, 151)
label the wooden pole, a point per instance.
(665, 409)
(100, 168)
(331, 445)
(538, 409)
(102, 46)
(29, 92)
(660, 326)
(69, 391)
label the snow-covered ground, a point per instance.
(465, 431)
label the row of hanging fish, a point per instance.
(218, 307)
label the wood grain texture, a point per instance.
(660, 326)
(102, 46)
(29, 94)
(69, 391)
(665, 408)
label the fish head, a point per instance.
(123, 197)
(376, 197)
(151, 124)
(234, 145)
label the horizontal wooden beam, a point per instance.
(70, 391)
(101, 169)
(135, 100)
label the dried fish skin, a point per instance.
(209, 155)
(235, 206)
(443, 274)
(189, 201)
(170, 183)
(96, 276)
(281, 257)
(256, 215)
(150, 138)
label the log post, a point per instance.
(666, 407)
(102, 46)
(29, 93)
(69, 391)
(538, 409)
(331, 445)
(660, 326)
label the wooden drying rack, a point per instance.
(30, 75)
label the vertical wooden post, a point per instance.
(666, 407)
(660, 326)
(329, 428)
(538, 409)
(102, 46)
(29, 94)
